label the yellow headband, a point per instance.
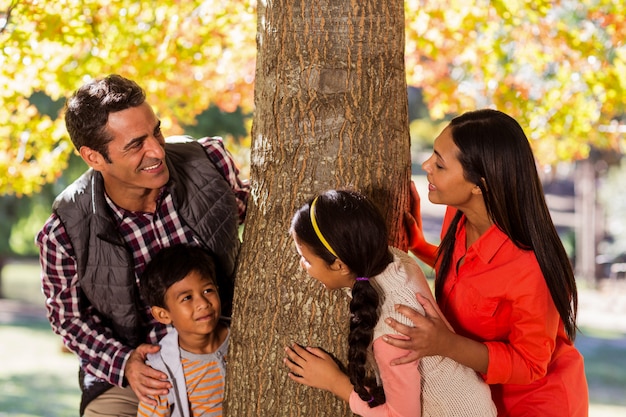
(317, 230)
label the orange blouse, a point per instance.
(499, 297)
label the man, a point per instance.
(139, 195)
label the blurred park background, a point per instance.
(559, 67)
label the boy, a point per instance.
(180, 286)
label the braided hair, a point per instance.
(351, 228)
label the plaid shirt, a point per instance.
(74, 319)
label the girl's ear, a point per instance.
(161, 315)
(341, 267)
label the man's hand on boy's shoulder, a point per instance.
(145, 381)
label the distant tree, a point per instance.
(613, 199)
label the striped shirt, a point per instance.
(70, 314)
(204, 380)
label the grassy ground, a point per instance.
(38, 379)
(36, 376)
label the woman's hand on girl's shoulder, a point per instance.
(425, 338)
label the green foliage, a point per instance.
(424, 132)
(24, 230)
(557, 67)
(22, 217)
(232, 126)
(217, 122)
(10, 207)
(185, 54)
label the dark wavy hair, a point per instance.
(170, 265)
(495, 155)
(87, 110)
(355, 229)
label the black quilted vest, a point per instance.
(204, 202)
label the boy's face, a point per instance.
(192, 306)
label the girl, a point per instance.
(503, 280)
(342, 240)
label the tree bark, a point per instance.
(331, 112)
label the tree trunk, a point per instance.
(331, 112)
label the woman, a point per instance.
(503, 279)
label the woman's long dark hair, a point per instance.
(357, 233)
(496, 156)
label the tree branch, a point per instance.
(7, 15)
